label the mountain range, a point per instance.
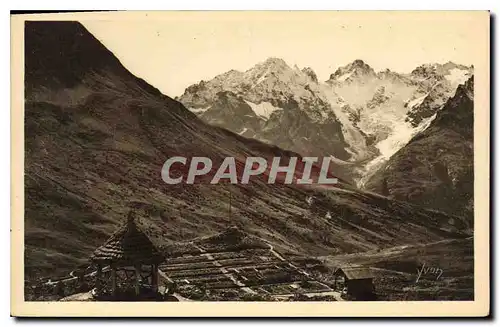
(96, 137)
(358, 116)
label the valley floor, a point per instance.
(436, 271)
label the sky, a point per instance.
(172, 50)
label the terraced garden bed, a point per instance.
(187, 266)
(228, 255)
(276, 289)
(193, 273)
(222, 284)
(209, 279)
(233, 294)
(313, 286)
(227, 263)
(181, 260)
(272, 276)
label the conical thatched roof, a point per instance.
(128, 245)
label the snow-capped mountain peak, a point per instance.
(272, 64)
(358, 116)
(455, 73)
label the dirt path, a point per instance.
(276, 254)
(199, 248)
(392, 271)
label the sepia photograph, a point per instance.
(336, 158)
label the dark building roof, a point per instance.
(355, 272)
(128, 245)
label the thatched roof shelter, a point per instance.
(128, 245)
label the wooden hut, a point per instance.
(130, 257)
(357, 280)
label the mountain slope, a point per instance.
(96, 138)
(436, 168)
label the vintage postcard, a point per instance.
(250, 164)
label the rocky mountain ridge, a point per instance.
(358, 116)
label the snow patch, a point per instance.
(263, 109)
(262, 77)
(457, 76)
(345, 76)
(198, 110)
(243, 131)
(416, 102)
(401, 135)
